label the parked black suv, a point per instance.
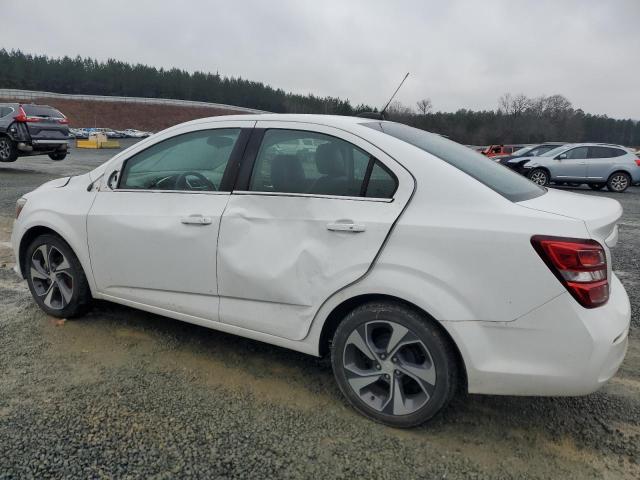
(32, 130)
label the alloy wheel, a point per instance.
(389, 367)
(619, 182)
(5, 149)
(539, 178)
(52, 277)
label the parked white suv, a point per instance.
(596, 164)
(420, 266)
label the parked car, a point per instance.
(529, 151)
(419, 266)
(595, 164)
(28, 129)
(494, 150)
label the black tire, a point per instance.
(539, 176)
(48, 293)
(8, 150)
(596, 186)
(57, 156)
(618, 182)
(423, 345)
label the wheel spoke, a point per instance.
(398, 334)
(424, 375)
(49, 295)
(62, 266)
(44, 252)
(36, 272)
(399, 400)
(359, 382)
(358, 341)
(65, 292)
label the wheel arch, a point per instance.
(340, 311)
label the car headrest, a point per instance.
(287, 174)
(329, 160)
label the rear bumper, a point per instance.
(558, 349)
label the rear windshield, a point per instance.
(502, 180)
(41, 111)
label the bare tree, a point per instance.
(396, 108)
(424, 106)
(515, 106)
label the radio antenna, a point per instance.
(394, 94)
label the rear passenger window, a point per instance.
(296, 161)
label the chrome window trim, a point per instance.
(313, 195)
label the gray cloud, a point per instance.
(461, 54)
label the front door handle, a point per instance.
(196, 220)
(346, 227)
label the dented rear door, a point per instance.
(282, 254)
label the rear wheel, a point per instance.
(393, 365)
(596, 186)
(618, 182)
(539, 176)
(58, 156)
(55, 277)
(8, 150)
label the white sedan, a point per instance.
(420, 266)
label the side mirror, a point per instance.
(562, 156)
(112, 182)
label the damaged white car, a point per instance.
(419, 265)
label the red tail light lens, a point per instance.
(580, 265)
(638, 162)
(63, 121)
(23, 117)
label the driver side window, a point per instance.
(194, 161)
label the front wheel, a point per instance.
(539, 177)
(618, 182)
(8, 150)
(55, 277)
(57, 156)
(393, 365)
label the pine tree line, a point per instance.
(517, 119)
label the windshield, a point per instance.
(495, 176)
(522, 151)
(555, 151)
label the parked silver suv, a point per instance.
(596, 164)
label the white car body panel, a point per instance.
(277, 255)
(457, 250)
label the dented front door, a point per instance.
(280, 256)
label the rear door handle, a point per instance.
(196, 220)
(346, 227)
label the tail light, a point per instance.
(23, 117)
(63, 121)
(580, 265)
(638, 162)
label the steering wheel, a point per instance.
(202, 183)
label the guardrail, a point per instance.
(33, 94)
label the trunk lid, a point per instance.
(599, 214)
(48, 126)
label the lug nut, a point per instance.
(394, 359)
(383, 356)
(398, 373)
(378, 366)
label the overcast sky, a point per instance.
(461, 54)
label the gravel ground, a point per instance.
(127, 394)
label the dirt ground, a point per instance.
(127, 394)
(118, 115)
